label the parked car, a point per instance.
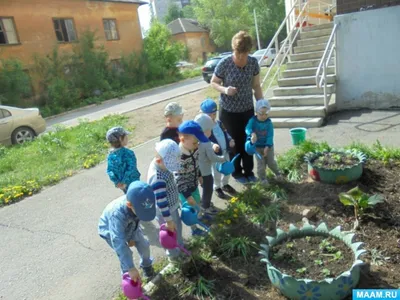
(268, 57)
(20, 125)
(184, 64)
(209, 67)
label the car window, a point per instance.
(273, 51)
(212, 62)
(259, 52)
(4, 113)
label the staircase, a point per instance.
(298, 102)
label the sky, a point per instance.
(144, 16)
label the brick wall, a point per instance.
(349, 6)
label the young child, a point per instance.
(160, 177)
(121, 162)
(119, 227)
(207, 158)
(173, 112)
(188, 176)
(222, 141)
(260, 131)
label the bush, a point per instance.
(14, 82)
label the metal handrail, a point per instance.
(320, 79)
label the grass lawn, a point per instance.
(25, 169)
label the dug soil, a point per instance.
(335, 160)
(236, 278)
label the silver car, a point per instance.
(20, 125)
(268, 57)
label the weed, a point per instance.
(377, 257)
(276, 193)
(268, 213)
(294, 176)
(326, 245)
(201, 288)
(308, 239)
(318, 262)
(238, 246)
(302, 270)
(290, 245)
(326, 272)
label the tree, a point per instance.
(174, 12)
(188, 12)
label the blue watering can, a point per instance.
(251, 149)
(189, 216)
(228, 167)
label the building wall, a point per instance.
(199, 44)
(34, 25)
(349, 6)
(368, 60)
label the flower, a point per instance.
(345, 287)
(228, 222)
(220, 225)
(235, 215)
(309, 292)
(234, 199)
(235, 210)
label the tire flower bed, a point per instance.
(335, 166)
(226, 264)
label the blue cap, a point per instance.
(193, 128)
(141, 196)
(208, 106)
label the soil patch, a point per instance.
(335, 160)
(314, 257)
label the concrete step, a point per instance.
(310, 48)
(297, 112)
(306, 80)
(312, 41)
(306, 56)
(302, 90)
(315, 33)
(297, 122)
(308, 100)
(304, 72)
(318, 27)
(312, 63)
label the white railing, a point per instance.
(321, 79)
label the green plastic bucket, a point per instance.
(298, 135)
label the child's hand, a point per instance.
(134, 274)
(191, 201)
(253, 138)
(266, 149)
(121, 186)
(171, 226)
(131, 244)
(232, 143)
(216, 148)
(201, 181)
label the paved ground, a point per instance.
(130, 102)
(49, 243)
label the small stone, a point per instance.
(309, 213)
(333, 212)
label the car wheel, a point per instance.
(208, 81)
(22, 135)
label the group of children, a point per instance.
(185, 157)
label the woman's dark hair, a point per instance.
(242, 42)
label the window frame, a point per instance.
(74, 27)
(116, 28)
(2, 116)
(5, 33)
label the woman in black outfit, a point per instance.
(235, 77)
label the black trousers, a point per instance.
(208, 182)
(236, 123)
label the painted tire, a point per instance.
(305, 289)
(337, 176)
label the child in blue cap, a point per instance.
(222, 144)
(121, 161)
(119, 227)
(188, 177)
(260, 131)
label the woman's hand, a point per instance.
(230, 91)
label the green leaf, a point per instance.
(363, 201)
(347, 200)
(355, 192)
(375, 199)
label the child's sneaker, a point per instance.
(212, 210)
(242, 180)
(252, 179)
(148, 272)
(199, 232)
(229, 189)
(220, 193)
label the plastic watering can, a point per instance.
(251, 149)
(169, 240)
(132, 289)
(228, 167)
(190, 217)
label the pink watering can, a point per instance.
(168, 240)
(190, 217)
(251, 149)
(132, 289)
(228, 167)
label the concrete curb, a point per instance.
(115, 99)
(149, 287)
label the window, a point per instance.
(110, 29)
(8, 33)
(65, 30)
(4, 114)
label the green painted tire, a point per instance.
(305, 289)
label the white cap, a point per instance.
(173, 109)
(262, 103)
(205, 122)
(170, 153)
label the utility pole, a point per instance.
(258, 36)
